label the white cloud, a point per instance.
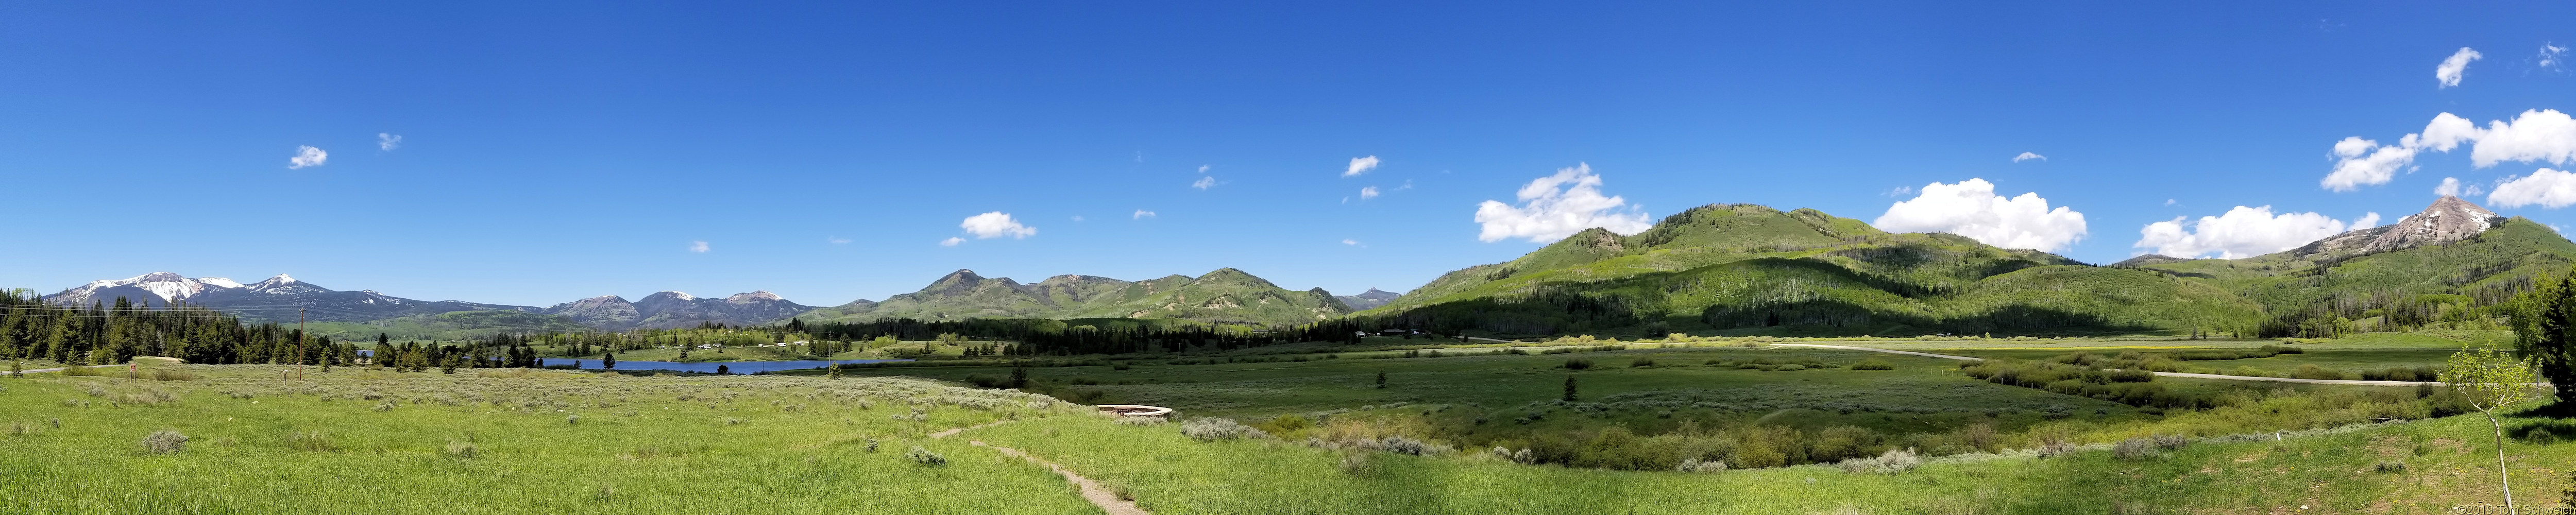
(835, 240)
(1360, 165)
(307, 156)
(2448, 73)
(2360, 162)
(1077, 218)
(1348, 241)
(995, 225)
(952, 241)
(1204, 182)
(387, 141)
(2026, 156)
(1142, 214)
(2169, 202)
(2367, 220)
(1971, 208)
(1368, 193)
(1203, 168)
(2553, 58)
(1557, 206)
(2544, 135)
(2242, 232)
(2535, 135)
(2548, 188)
(1899, 191)
(698, 247)
(2450, 187)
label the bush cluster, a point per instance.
(2131, 387)
(1213, 429)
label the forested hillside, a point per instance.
(1749, 268)
(1223, 295)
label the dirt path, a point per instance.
(1100, 496)
(55, 369)
(1108, 501)
(2166, 374)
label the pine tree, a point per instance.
(608, 361)
(1569, 388)
(1381, 379)
(721, 370)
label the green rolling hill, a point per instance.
(1749, 269)
(1223, 295)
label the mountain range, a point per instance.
(280, 298)
(1223, 295)
(1728, 268)
(1751, 269)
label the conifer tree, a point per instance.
(608, 361)
(1569, 388)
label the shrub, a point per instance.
(460, 449)
(1213, 429)
(2400, 466)
(2315, 372)
(1873, 364)
(1792, 367)
(574, 419)
(165, 441)
(1139, 421)
(1695, 465)
(1891, 462)
(2134, 449)
(2172, 442)
(167, 374)
(1577, 363)
(1645, 362)
(925, 457)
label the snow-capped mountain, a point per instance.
(272, 299)
(671, 309)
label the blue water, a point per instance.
(738, 367)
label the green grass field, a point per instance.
(521, 441)
(358, 441)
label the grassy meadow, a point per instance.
(1750, 428)
(506, 441)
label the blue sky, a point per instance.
(826, 151)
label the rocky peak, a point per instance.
(2447, 220)
(756, 296)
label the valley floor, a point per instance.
(522, 441)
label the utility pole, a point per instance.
(299, 344)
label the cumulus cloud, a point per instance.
(2545, 135)
(1204, 183)
(1360, 165)
(1971, 208)
(388, 142)
(2448, 73)
(995, 225)
(1368, 193)
(2026, 156)
(307, 156)
(1142, 214)
(1557, 206)
(2451, 186)
(1203, 168)
(698, 247)
(952, 241)
(2360, 162)
(2547, 188)
(2367, 220)
(2243, 232)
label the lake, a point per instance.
(738, 367)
